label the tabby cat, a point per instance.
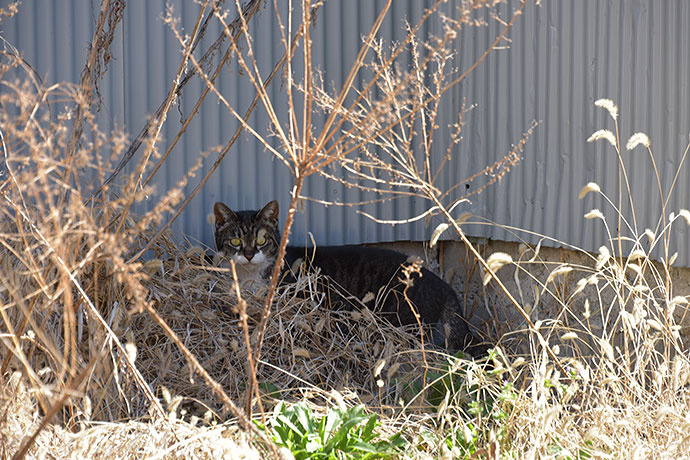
(251, 239)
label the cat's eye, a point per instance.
(260, 241)
(236, 242)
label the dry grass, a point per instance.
(108, 440)
(312, 353)
(310, 348)
(602, 363)
(109, 355)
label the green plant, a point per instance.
(463, 384)
(339, 434)
(473, 402)
(583, 453)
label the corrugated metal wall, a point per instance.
(563, 56)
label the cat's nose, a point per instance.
(249, 254)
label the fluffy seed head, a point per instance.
(609, 105)
(637, 139)
(603, 257)
(594, 214)
(569, 336)
(496, 261)
(437, 233)
(637, 254)
(685, 215)
(603, 134)
(591, 187)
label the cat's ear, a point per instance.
(269, 212)
(223, 213)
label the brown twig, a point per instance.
(160, 119)
(250, 8)
(100, 44)
(243, 125)
(301, 168)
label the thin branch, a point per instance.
(159, 120)
(221, 155)
(250, 9)
(90, 73)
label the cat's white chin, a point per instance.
(258, 259)
(251, 271)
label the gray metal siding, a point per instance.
(564, 55)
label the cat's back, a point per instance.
(360, 270)
(354, 266)
(363, 270)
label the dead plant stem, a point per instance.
(244, 419)
(62, 265)
(329, 158)
(242, 310)
(87, 81)
(498, 281)
(160, 119)
(299, 182)
(243, 125)
(250, 10)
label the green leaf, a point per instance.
(331, 422)
(270, 390)
(364, 447)
(339, 435)
(304, 417)
(398, 441)
(368, 431)
(283, 420)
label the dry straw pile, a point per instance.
(309, 348)
(161, 438)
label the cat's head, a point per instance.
(247, 237)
